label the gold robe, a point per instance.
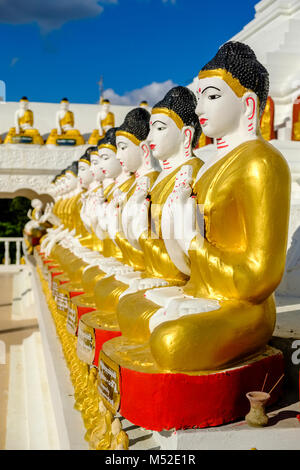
(240, 262)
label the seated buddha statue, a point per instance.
(144, 104)
(296, 120)
(23, 132)
(135, 154)
(64, 133)
(105, 120)
(36, 227)
(226, 310)
(174, 131)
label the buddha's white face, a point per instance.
(105, 107)
(110, 165)
(64, 105)
(24, 105)
(71, 180)
(165, 138)
(96, 167)
(219, 108)
(84, 175)
(61, 184)
(129, 154)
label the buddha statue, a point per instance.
(174, 131)
(23, 132)
(296, 120)
(136, 157)
(64, 133)
(223, 313)
(267, 120)
(144, 104)
(36, 227)
(105, 120)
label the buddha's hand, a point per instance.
(140, 221)
(181, 307)
(119, 270)
(141, 190)
(149, 283)
(113, 222)
(182, 188)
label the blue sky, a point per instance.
(56, 48)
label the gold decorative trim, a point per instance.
(129, 136)
(234, 83)
(84, 160)
(171, 114)
(107, 146)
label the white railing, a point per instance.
(7, 240)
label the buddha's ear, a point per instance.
(250, 105)
(144, 146)
(188, 134)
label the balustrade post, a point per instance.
(6, 253)
(18, 252)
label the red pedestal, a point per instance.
(177, 401)
(101, 336)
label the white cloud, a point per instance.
(49, 14)
(151, 93)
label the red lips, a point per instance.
(152, 146)
(202, 121)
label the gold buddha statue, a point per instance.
(238, 260)
(23, 132)
(65, 133)
(105, 121)
(267, 120)
(296, 120)
(223, 313)
(174, 132)
(135, 154)
(144, 104)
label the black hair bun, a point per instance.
(240, 60)
(136, 123)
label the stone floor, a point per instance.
(11, 333)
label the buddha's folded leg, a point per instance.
(134, 312)
(107, 293)
(11, 132)
(207, 341)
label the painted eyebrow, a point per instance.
(160, 122)
(210, 87)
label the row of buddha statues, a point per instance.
(177, 260)
(65, 132)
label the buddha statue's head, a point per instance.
(133, 150)
(85, 175)
(105, 105)
(24, 103)
(174, 125)
(96, 165)
(64, 104)
(144, 104)
(232, 92)
(61, 183)
(71, 176)
(107, 149)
